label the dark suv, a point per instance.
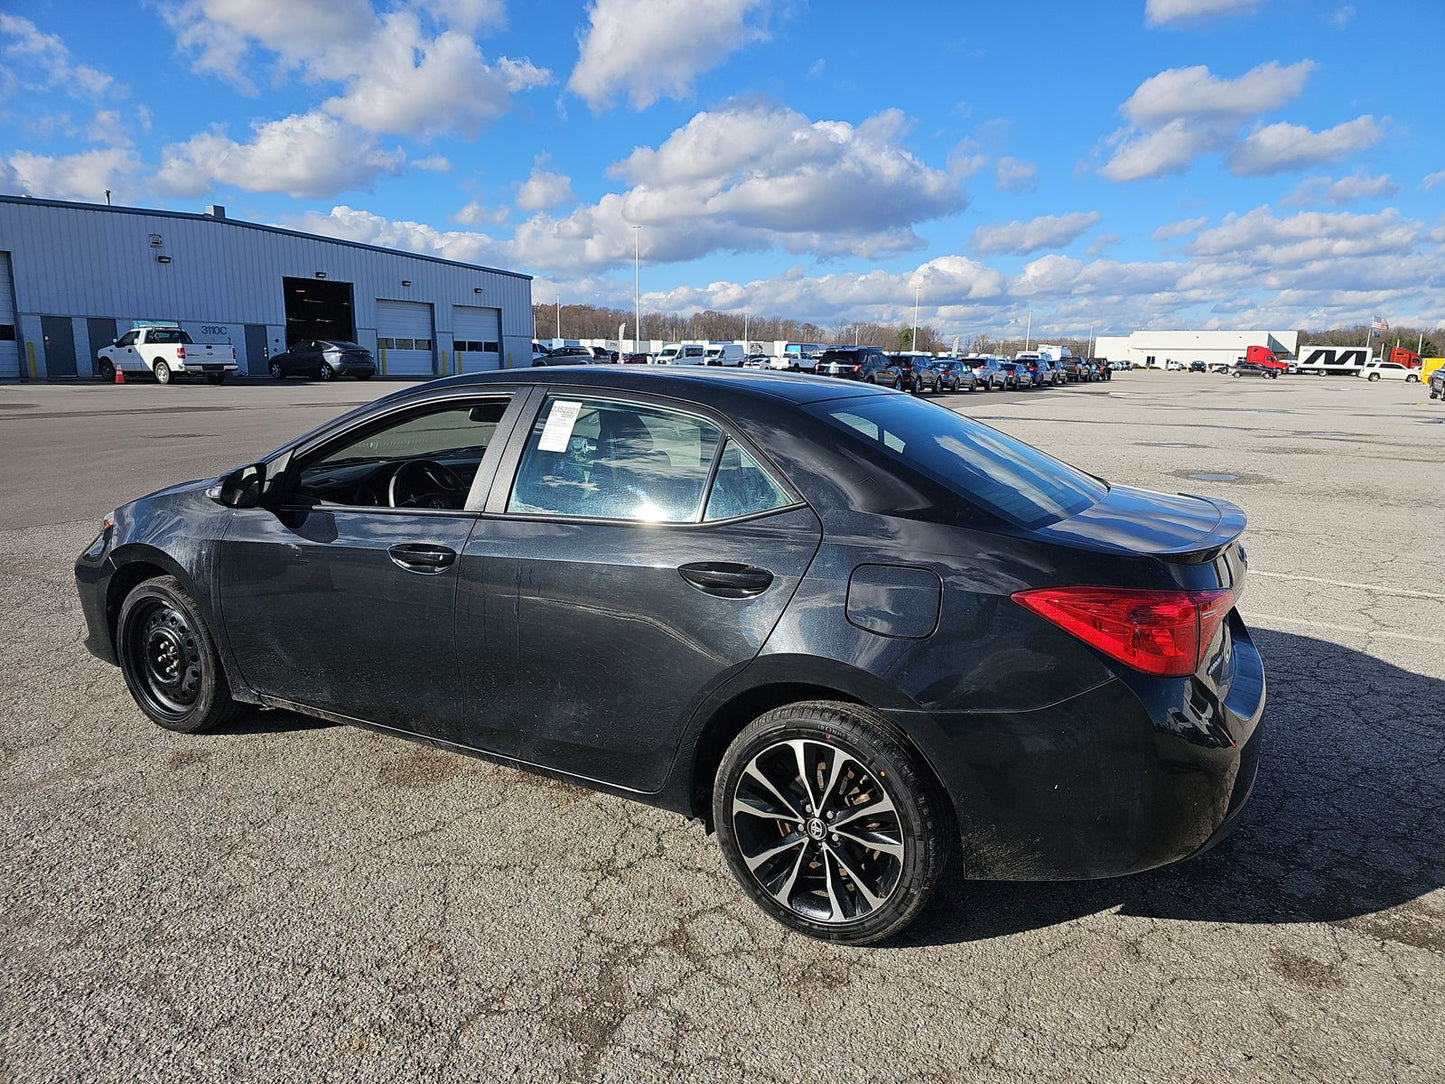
(857, 363)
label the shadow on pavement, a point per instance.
(1347, 818)
(271, 721)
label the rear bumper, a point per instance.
(1131, 775)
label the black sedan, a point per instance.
(322, 359)
(741, 596)
(955, 375)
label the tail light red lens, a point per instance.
(857, 368)
(180, 353)
(1159, 632)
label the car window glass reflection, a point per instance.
(425, 460)
(742, 487)
(606, 460)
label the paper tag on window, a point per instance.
(558, 430)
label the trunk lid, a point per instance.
(1176, 527)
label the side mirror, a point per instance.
(241, 488)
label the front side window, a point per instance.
(128, 339)
(609, 460)
(426, 459)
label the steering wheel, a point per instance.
(425, 483)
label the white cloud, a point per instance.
(754, 177)
(649, 49)
(84, 176)
(1046, 231)
(1307, 236)
(543, 189)
(1181, 113)
(1013, 175)
(1324, 190)
(218, 34)
(351, 224)
(476, 213)
(1163, 12)
(468, 15)
(422, 87)
(1170, 230)
(1279, 147)
(1343, 15)
(1197, 93)
(304, 155)
(1169, 149)
(437, 163)
(1102, 242)
(46, 59)
(1429, 182)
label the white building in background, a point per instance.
(73, 276)
(1153, 349)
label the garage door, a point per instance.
(477, 338)
(404, 333)
(9, 346)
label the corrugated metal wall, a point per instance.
(84, 261)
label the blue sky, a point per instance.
(1168, 163)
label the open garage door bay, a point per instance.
(9, 340)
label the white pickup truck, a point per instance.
(165, 352)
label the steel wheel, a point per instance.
(162, 373)
(818, 831)
(166, 656)
(168, 659)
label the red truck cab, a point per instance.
(1265, 356)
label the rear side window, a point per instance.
(610, 460)
(741, 487)
(1002, 475)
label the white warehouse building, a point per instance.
(74, 276)
(1154, 349)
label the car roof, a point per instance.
(684, 382)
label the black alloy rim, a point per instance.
(165, 656)
(818, 831)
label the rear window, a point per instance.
(1002, 475)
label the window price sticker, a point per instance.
(558, 430)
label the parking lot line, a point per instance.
(1402, 592)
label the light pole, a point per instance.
(637, 287)
(916, 291)
(745, 334)
(1091, 338)
(559, 317)
(1029, 331)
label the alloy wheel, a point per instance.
(818, 831)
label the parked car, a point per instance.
(954, 375)
(322, 359)
(1100, 370)
(914, 372)
(1077, 370)
(728, 354)
(1020, 376)
(990, 372)
(568, 355)
(1198, 366)
(601, 353)
(866, 363)
(165, 352)
(852, 631)
(1390, 370)
(1253, 368)
(1057, 375)
(636, 359)
(1437, 383)
(1172, 366)
(1032, 372)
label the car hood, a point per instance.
(1159, 524)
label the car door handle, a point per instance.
(726, 579)
(418, 557)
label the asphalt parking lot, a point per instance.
(293, 900)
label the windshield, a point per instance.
(1002, 475)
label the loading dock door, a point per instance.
(404, 332)
(317, 309)
(9, 344)
(477, 338)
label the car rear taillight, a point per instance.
(1159, 632)
(180, 353)
(857, 368)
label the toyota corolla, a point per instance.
(857, 634)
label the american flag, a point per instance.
(1379, 324)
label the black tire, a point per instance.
(916, 826)
(162, 372)
(106, 370)
(169, 659)
(277, 373)
(363, 376)
(326, 372)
